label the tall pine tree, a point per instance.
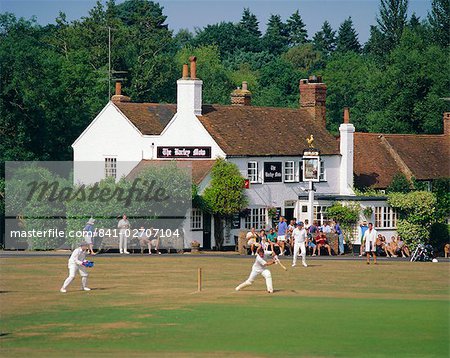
(392, 20)
(439, 20)
(296, 30)
(347, 38)
(250, 36)
(275, 39)
(325, 40)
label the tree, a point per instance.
(296, 30)
(439, 20)
(225, 195)
(325, 39)
(225, 35)
(399, 184)
(392, 20)
(217, 85)
(416, 215)
(183, 38)
(249, 36)
(304, 58)
(275, 39)
(347, 38)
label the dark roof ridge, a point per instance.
(402, 134)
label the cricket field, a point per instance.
(148, 306)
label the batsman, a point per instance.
(259, 268)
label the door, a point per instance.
(288, 214)
(207, 231)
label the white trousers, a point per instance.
(302, 247)
(73, 268)
(265, 273)
(123, 241)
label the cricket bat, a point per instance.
(277, 260)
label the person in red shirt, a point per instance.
(321, 241)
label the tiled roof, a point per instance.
(149, 118)
(200, 168)
(248, 130)
(378, 157)
(242, 130)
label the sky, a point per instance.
(197, 14)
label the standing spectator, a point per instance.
(299, 237)
(369, 242)
(124, 231)
(252, 240)
(88, 233)
(357, 247)
(282, 228)
(337, 229)
(326, 228)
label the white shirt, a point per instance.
(326, 229)
(370, 237)
(77, 257)
(251, 235)
(259, 265)
(123, 224)
(299, 235)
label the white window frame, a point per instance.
(320, 214)
(291, 168)
(110, 168)
(253, 171)
(257, 218)
(385, 217)
(196, 219)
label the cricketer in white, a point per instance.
(259, 268)
(299, 236)
(76, 263)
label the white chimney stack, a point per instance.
(346, 148)
(189, 91)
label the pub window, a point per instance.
(289, 172)
(111, 167)
(256, 219)
(196, 219)
(320, 214)
(252, 172)
(385, 217)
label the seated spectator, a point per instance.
(446, 250)
(402, 248)
(321, 241)
(263, 240)
(392, 247)
(252, 240)
(381, 245)
(272, 239)
(145, 239)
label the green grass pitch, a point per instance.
(148, 306)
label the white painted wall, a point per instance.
(110, 134)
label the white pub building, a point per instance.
(265, 143)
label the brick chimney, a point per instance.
(189, 90)
(313, 93)
(118, 97)
(447, 123)
(241, 97)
